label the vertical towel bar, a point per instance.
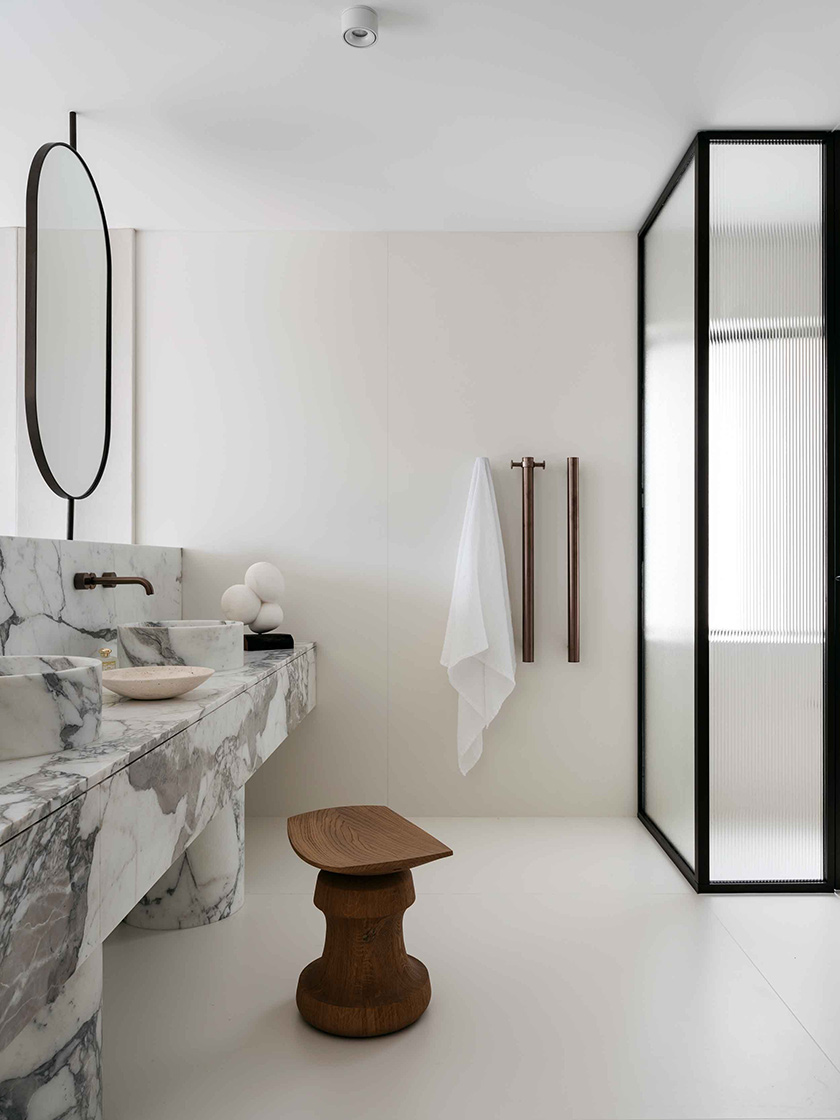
(528, 464)
(573, 560)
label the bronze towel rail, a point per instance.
(573, 560)
(528, 464)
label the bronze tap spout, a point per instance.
(86, 581)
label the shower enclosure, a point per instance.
(738, 333)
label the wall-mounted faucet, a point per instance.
(86, 581)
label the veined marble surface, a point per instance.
(160, 774)
(53, 1069)
(42, 612)
(48, 702)
(31, 788)
(207, 884)
(214, 643)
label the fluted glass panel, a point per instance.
(668, 604)
(767, 435)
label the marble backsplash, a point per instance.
(42, 612)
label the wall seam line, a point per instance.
(387, 519)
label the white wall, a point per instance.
(318, 399)
(10, 340)
(261, 421)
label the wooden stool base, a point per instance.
(364, 984)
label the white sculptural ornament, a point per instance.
(256, 601)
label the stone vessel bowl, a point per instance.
(213, 643)
(48, 704)
(155, 682)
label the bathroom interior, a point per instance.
(419, 535)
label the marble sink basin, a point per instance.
(211, 643)
(48, 704)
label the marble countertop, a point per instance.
(32, 788)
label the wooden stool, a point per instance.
(364, 983)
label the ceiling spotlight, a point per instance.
(360, 26)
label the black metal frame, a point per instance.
(31, 328)
(698, 152)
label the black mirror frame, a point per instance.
(31, 326)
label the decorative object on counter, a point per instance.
(363, 985)
(155, 682)
(106, 656)
(48, 704)
(207, 883)
(269, 618)
(258, 642)
(256, 602)
(241, 604)
(211, 643)
(67, 353)
(478, 649)
(266, 581)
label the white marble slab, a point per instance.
(53, 1068)
(121, 814)
(42, 612)
(32, 788)
(48, 703)
(207, 883)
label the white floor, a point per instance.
(574, 973)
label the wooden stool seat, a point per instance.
(364, 983)
(362, 840)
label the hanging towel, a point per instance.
(478, 647)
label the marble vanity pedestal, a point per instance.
(206, 883)
(53, 1068)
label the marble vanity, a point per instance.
(145, 824)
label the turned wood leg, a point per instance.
(364, 983)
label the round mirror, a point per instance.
(68, 322)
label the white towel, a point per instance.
(478, 647)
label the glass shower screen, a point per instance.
(738, 503)
(669, 544)
(767, 516)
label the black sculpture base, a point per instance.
(254, 642)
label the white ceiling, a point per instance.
(530, 115)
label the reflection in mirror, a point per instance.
(68, 323)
